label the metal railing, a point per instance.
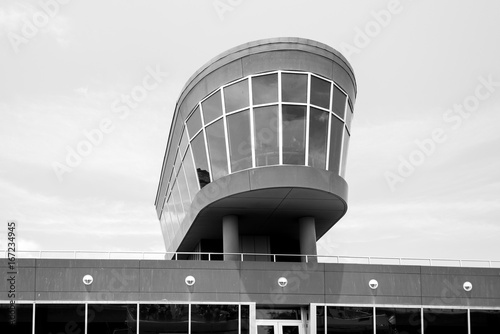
(210, 256)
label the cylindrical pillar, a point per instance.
(307, 234)
(230, 237)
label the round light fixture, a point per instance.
(190, 280)
(373, 284)
(467, 286)
(282, 282)
(87, 279)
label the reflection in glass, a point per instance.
(183, 189)
(293, 329)
(183, 144)
(290, 313)
(236, 96)
(214, 319)
(320, 319)
(163, 318)
(194, 123)
(445, 321)
(245, 319)
(192, 178)
(345, 149)
(320, 92)
(173, 215)
(240, 149)
(294, 134)
(265, 89)
(398, 320)
(200, 159)
(176, 196)
(337, 127)
(339, 101)
(294, 87)
(217, 149)
(341, 319)
(318, 136)
(265, 329)
(266, 135)
(167, 224)
(24, 317)
(485, 321)
(111, 319)
(212, 107)
(59, 318)
(348, 117)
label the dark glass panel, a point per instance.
(57, 318)
(194, 123)
(265, 89)
(245, 319)
(16, 319)
(212, 107)
(320, 92)
(236, 96)
(192, 178)
(318, 137)
(349, 319)
(320, 319)
(445, 321)
(485, 321)
(349, 116)
(290, 329)
(240, 149)
(112, 319)
(398, 320)
(214, 319)
(339, 101)
(294, 87)
(266, 135)
(265, 329)
(163, 318)
(294, 135)
(200, 159)
(337, 127)
(217, 149)
(291, 313)
(345, 149)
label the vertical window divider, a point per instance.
(185, 179)
(280, 120)
(252, 125)
(468, 321)
(189, 318)
(190, 152)
(137, 318)
(422, 325)
(329, 128)
(33, 319)
(239, 318)
(226, 136)
(343, 139)
(374, 321)
(209, 165)
(308, 114)
(86, 317)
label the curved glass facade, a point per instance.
(273, 118)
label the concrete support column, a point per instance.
(230, 237)
(307, 234)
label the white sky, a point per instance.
(411, 70)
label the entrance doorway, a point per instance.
(279, 327)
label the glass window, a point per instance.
(57, 318)
(349, 116)
(217, 149)
(265, 89)
(167, 224)
(22, 319)
(200, 159)
(111, 319)
(443, 321)
(339, 100)
(212, 107)
(176, 196)
(240, 149)
(245, 319)
(163, 318)
(173, 215)
(398, 320)
(294, 135)
(266, 135)
(320, 92)
(265, 329)
(194, 122)
(337, 127)
(294, 87)
(349, 319)
(269, 312)
(485, 321)
(318, 136)
(192, 178)
(184, 143)
(320, 319)
(214, 319)
(183, 189)
(345, 149)
(236, 96)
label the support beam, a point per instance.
(307, 234)
(230, 237)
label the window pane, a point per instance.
(111, 319)
(176, 196)
(442, 321)
(167, 224)
(339, 100)
(245, 319)
(200, 159)
(292, 329)
(345, 149)
(214, 319)
(173, 215)
(56, 318)
(265, 329)
(294, 135)
(217, 149)
(240, 149)
(22, 319)
(183, 189)
(485, 321)
(398, 320)
(265, 89)
(349, 320)
(212, 107)
(266, 135)
(163, 318)
(320, 319)
(192, 178)
(318, 136)
(194, 123)
(236, 96)
(349, 116)
(320, 92)
(337, 127)
(291, 313)
(184, 142)
(294, 87)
